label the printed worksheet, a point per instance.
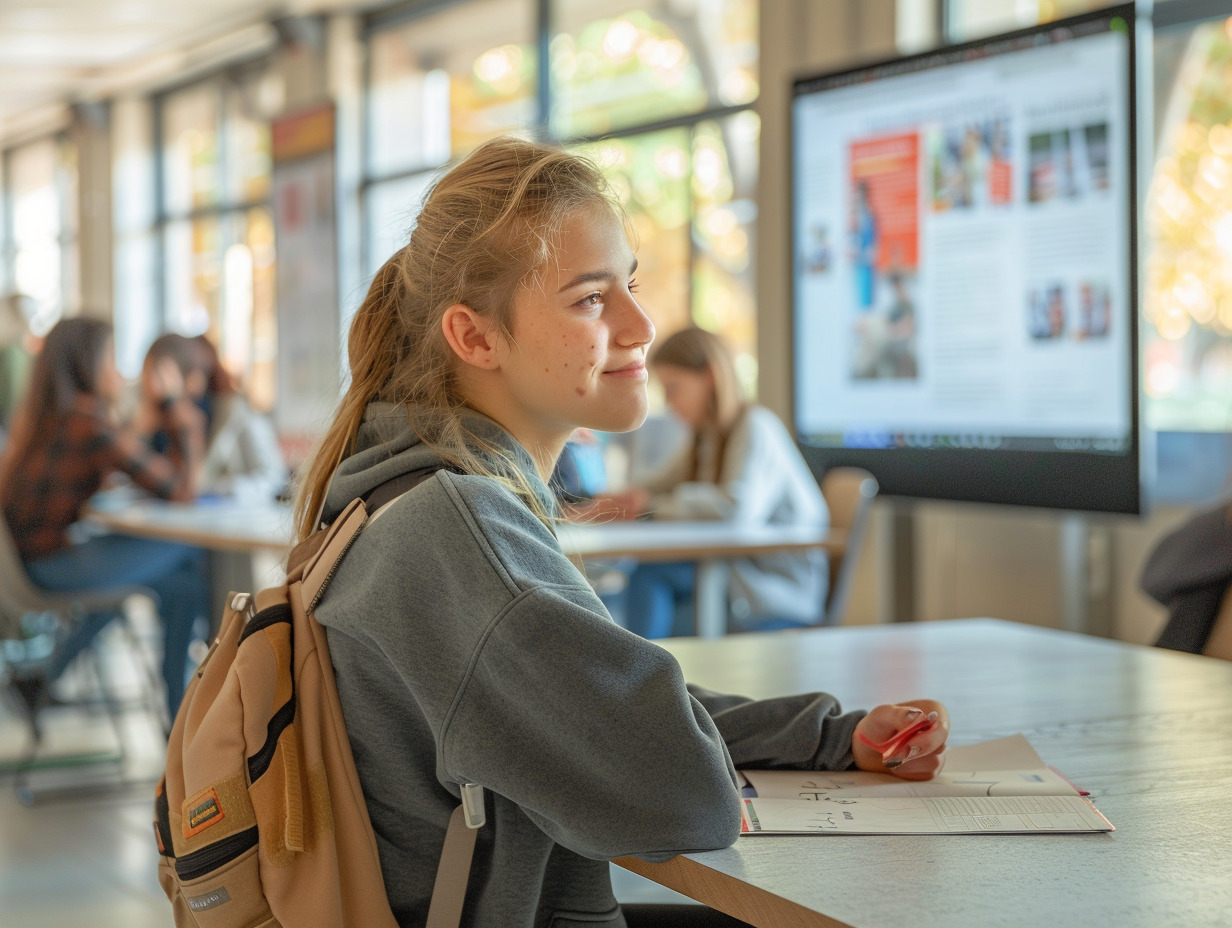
(999, 786)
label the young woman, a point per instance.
(740, 464)
(64, 445)
(242, 457)
(467, 647)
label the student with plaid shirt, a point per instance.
(64, 445)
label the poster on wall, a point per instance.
(308, 317)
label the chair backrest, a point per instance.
(18, 595)
(849, 493)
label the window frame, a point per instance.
(223, 209)
(397, 16)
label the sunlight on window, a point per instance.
(1187, 303)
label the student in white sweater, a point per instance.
(741, 465)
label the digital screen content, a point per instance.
(964, 295)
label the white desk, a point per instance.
(1145, 730)
(223, 525)
(237, 527)
(709, 544)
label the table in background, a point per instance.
(708, 544)
(1145, 730)
(234, 527)
(247, 540)
(218, 525)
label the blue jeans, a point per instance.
(659, 597)
(175, 572)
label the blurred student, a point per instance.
(741, 465)
(242, 456)
(64, 445)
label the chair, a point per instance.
(849, 494)
(27, 648)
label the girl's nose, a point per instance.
(636, 329)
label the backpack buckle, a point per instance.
(472, 805)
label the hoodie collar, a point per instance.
(388, 446)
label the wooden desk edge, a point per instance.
(728, 894)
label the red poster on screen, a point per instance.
(885, 186)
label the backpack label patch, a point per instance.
(204, 812)
(209, 900)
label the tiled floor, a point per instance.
(90, 860)
(85, 859)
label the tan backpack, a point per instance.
(259, 817)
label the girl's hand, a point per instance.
(166, 382)
(919, 758)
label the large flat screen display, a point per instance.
(963, 238)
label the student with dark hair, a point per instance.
(242, 456)
(65, 444)
(466, 646)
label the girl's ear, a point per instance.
(473, 338)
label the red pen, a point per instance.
(891, 745)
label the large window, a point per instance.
(969, 19)
(39, 253)
(1187, 302)
(214, 224)
(658, 94)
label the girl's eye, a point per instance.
(633, 285)
(591, 299)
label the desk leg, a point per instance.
(711, 599)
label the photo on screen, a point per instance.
(1068, 163)
(1047, 311)
(883, 224)
(1094, 316)
(971, 164)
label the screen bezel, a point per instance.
(1068, 480)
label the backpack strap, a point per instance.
(319, 562)
(391, 489)
(317, 557)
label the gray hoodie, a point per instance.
(468, 648)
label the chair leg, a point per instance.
(104, 689)
(154, 699)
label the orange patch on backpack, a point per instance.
(205, 811)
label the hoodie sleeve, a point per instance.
(592, 731)
(805, 732)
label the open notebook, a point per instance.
(995, 787)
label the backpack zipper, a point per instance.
(210, 858)
(334, 567)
